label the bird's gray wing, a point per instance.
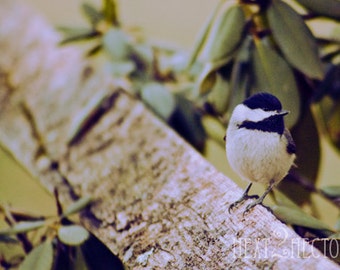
(291, 147)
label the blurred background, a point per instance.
(176, 23)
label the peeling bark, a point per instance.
(158, 204)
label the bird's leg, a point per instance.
(260, 200)
(245, 196)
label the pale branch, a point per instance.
(158, 204)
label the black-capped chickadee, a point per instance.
(259, 147)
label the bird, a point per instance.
(258, 146)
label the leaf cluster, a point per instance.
(50, 242)
(254, 46)
(315, 231)
(153, 73)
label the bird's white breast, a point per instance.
(258, 156)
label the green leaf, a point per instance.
(220, 95)
(329, 85)
(159, 98)
(282, 200)
(144, 55)
(214, 128)
(335, 236)
(295, 216)
(117, 44)
(22, 227)
(329, 111)
(77, 206)
(203, 34)
(73, 235)
(240, 87)
(331, 191)
(306, 137)
(120, 68)
(186, 120)
(240, 81)
(329, 8)
(226, 34)
(294, 39)
(73, 34)
(208, 76)
(272, 74)
(80, 263)
(244, 53)
(333, 126)
(92, 14)
(94, 50)
(40, 258)
(337, 224)
(7, 239)
(110, 11)
(176, 62)
(207, 79)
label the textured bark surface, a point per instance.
(157, 203)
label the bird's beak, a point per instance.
(282, 112)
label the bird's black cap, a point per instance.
(264, 101)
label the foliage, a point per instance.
(245, 47)
(276, 52)
(61, 244)
(155, 73)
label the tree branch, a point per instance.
(157, 203)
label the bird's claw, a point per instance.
(243, 198)
(232, 206)
(253, 204)
(250, 206)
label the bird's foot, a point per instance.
(243, 198)
(253, 204)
